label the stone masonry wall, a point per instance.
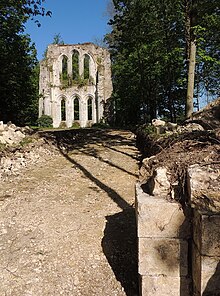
(98, 87)
(205, 201)
(179, 245)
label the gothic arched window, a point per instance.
(86, 66)
(89, 108)
(75, 64)
(76, 108)
(63, 109)
(64, 68)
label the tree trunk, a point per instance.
(191, 22)
(188, 6)
(191, 78)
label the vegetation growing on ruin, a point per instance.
(79, 80)
(45, 121)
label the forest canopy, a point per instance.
(150, 47)
(18, 64)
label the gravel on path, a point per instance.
(67, 225)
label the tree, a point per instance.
(208, 44)
(191, 22)
(147, 55)
(152, 43)
(57, 39)
(202, 27)
(18, 61)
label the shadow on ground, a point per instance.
(80, 138)
(119, 243)
(120, 248)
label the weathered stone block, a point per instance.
(206, 233)
(164, 286)
(197, 228)
(163, 257)
(196, 269)
(206, 272)
(158, 217)
(204, 186)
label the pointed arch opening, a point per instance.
(64, 67)
(89, 108)
(76, 108)
(86, 66)
(63, 109)
(75, 65)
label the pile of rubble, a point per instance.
(207, 118)
(162, 126)
(11, 134)
(21, 147)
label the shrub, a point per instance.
(101, 125)
(45, 121)
(76, 125)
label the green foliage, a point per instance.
(75, 65)
(148, 46)
(81, 81)
(64, 75)
(75, 125)
(57, 39)
(101, 125)
(208, 44)
(45, 121)
(86, 66)
(18, 73)
(148, 56)
(148, 129)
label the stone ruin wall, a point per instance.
(179, 245)
(98, 88)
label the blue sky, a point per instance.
(77, 21)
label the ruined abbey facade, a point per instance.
(75, 83)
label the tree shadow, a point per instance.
(80, 138)
(94, 154)
(111, 192)
(67, 140)
(122, 152)
(119, 245)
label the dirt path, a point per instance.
(67, 226)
